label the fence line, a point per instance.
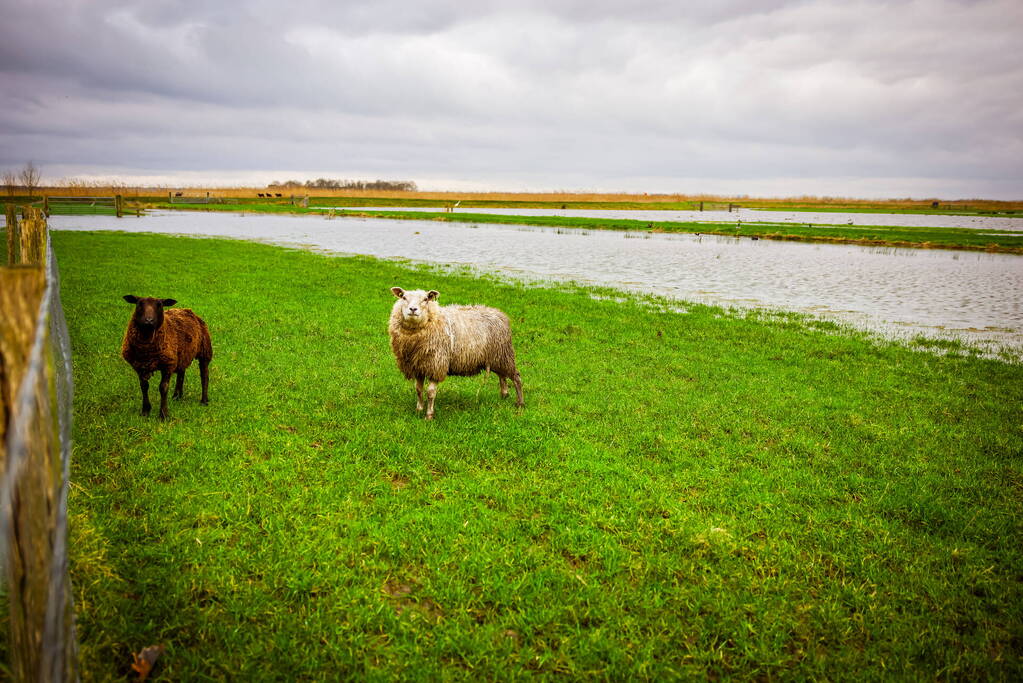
(181, 198)
(111, 206)
(35, 449)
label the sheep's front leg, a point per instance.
(419, 394)
(179, 387)
(431, 393)
(144, 385)
(164, 383)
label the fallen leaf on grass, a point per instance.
(145, 660)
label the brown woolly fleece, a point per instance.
(169, 348)
(182, 338)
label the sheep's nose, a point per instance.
(148, 319)
(411, 309)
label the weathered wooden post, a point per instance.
(35, 386)
(701, 206)
(119, 205)
(46, 206)
(31, 238)
(13, 234)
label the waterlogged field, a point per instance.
(764, 218)
(1005, 237)
(686, 493)
(968, 298)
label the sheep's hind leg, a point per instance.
(164, 383)
(504, 385)
(204, 375)
(179, 386)
(419, 394)
(518, 389)
(431, 393)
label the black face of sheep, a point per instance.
(166, 342)
(148, 311)
(431, 342)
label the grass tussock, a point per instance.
(686, 494)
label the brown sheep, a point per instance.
(431, 342)
(168, 342)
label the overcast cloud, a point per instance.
(762, 97)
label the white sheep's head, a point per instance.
(415, 306)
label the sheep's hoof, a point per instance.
(429, 416)
(205, 401)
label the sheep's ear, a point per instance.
(398, 292)
(131, 298)
(169, 302)
(432, 294)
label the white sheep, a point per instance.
(431, 342)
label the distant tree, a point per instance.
(29, 176)
(10, 180)
(340, 184)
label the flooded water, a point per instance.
(973, 296)
(992, 223)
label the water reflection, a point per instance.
(975, 296)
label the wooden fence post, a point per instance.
(46, 206)
(118, 205)
(13, 233)
(31, 235)
(32, 465)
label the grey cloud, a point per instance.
(600, 91)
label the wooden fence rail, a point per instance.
(35, 448)
(63, 206)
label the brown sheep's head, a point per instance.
(415, 306)
(148, 311)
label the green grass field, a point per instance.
(895, 236)
(686, 493)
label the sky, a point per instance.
(852, 98)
